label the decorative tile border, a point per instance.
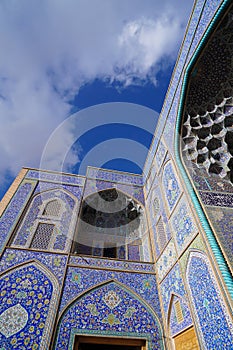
(56, 177)
(111, 264)
(114, 176)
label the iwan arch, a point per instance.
(121, 261)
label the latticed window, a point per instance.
(161, 234)
(178, 312)
(42, 236)
(53, 208)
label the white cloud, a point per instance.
(50, 48)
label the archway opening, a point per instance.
(112, 225)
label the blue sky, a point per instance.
(62, 56)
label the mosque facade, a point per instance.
(120, 261)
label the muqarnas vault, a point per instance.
(113, 260)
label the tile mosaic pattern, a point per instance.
(183, 225)
(197, 244)
(171, 186)
(172, 284)
(55, 177)
(214, 322)
(112, 264)
(114, 176)
(175, 326)
(128, 316)
(46, 186)
(160, 154)
(78, 280)
(14, 209)
(200, 21)
(27, 300)
(34, 215)
(54, 262)
(217, 199)
(166, 260)
(93, 186)
(222, 218)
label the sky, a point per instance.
(82, 82)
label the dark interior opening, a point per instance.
(107, 347)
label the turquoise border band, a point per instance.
(226, 274)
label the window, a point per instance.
(52, 208)
(42, 236)
(178, 312)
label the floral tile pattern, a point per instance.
(166, 260)
(172, 284)
(26, 308)
(171, 186)
(174, 324)
(78, 280)
(128, 316)
(54, 262)
(183, 225)
(215, 324)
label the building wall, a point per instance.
(49, 297)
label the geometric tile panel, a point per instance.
(109, 310)
(222, 219)
(79, 280)
(170, 185)
(166, 260)
(183, 225)
(26, 308)
(177, 326)
(214, 322)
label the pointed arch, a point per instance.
(208, 301)
(99, 302)
(26, 282)
(109, 227)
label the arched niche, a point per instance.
(212, 316)
(206, 142)
(29, 293)
(109, 310)
(48, 223)
(112, 224)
